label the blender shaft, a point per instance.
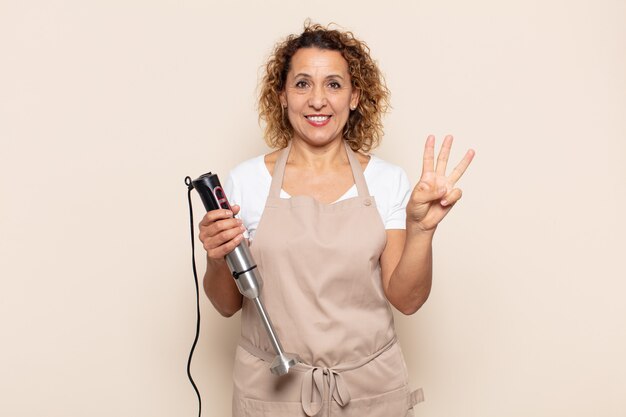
(268, 326)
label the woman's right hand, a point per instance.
(220, 232)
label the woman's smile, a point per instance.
(318, 120)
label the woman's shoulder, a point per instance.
(387, 182)
(248, 181)
(379, 169)
(252, 167)
(269, 160)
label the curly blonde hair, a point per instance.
(364, 127)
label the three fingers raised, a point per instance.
(442, 160)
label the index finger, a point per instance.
(429, 155)
(458, 170)
(214, 215)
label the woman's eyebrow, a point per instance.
(304, 74)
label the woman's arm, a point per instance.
(406, 261)
(220, 233)
(406, 265)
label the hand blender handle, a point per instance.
(239, 261)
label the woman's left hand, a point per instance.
(435, 193)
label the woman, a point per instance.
(337, 235)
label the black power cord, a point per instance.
(195, 278)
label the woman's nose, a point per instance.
(317, 98)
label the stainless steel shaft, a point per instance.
(283, 361)
(249, 283)
(268, 326)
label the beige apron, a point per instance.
(323, 291)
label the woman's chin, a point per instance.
(318, 141)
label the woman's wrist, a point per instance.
(215, 264)
(416, 230)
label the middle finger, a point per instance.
(222, 225)
(444, 154)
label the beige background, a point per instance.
(105, 106)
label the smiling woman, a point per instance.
(318, 96)
(336, 233)
(364, 127)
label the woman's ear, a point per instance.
(354, 98)
(283, 99)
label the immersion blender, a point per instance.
(244, 270)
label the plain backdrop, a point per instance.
(105, 107)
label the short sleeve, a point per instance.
(247, 186)
(233, 193)
(399, 198)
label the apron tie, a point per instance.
(325, 383)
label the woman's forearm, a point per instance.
(221, 289)
(411, 280)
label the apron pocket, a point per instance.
(247, 407)
(390, 404)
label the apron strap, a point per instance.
(281, 163)
(357, 172)
(279, 172)
(416, 397)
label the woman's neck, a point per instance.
(317, 157)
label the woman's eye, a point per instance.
(301, 84)
(334, 84)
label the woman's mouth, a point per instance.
(318, 120)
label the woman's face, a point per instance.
(318, 95)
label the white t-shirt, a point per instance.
(248, 185)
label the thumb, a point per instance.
(425, 192)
